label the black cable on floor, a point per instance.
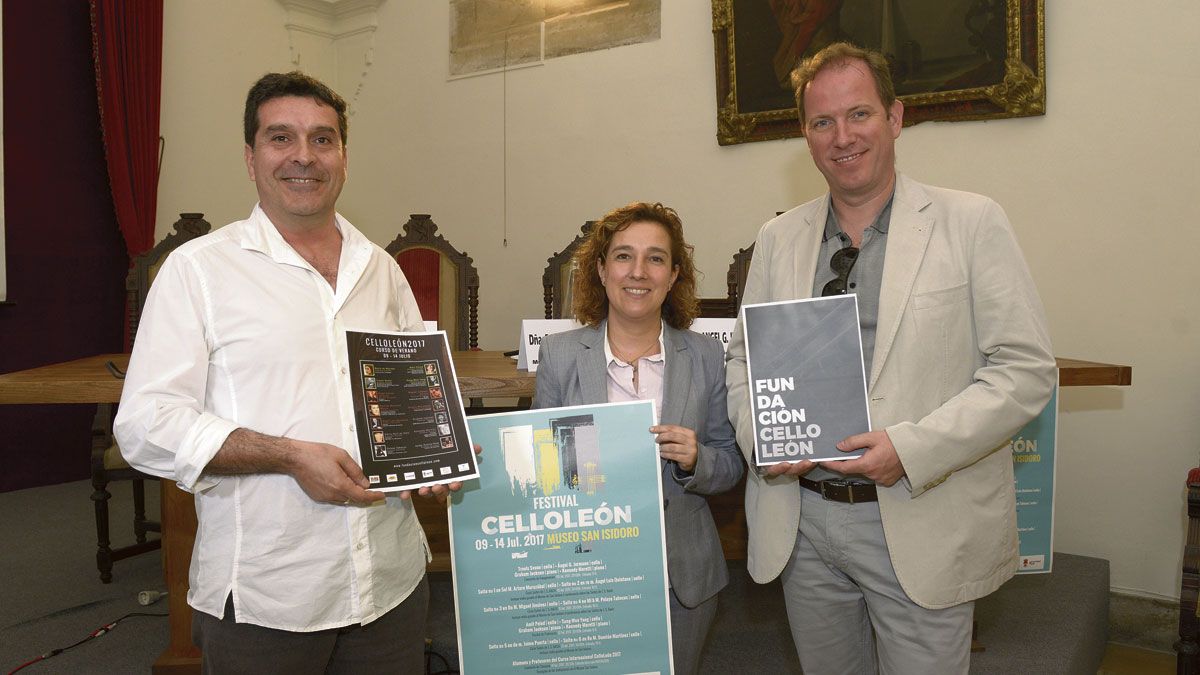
(90, 636)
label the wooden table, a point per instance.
(81, 381)
(480, 374)
(89, 380)
(728, 508)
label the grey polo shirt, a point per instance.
(865, 279)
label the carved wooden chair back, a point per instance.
(559, 275)
(146, 266)
(444, 280)
(735, 281)
(107, 463)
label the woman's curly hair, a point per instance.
(590, 303)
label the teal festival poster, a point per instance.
(558, 550)
(1033, 450)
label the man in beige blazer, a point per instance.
(881, 557)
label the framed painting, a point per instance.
(950, 59)
(489, 35)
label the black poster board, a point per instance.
(411, 426)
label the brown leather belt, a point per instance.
(838, 490)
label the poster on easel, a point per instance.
(1034, 459)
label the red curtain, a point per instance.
(127, 51)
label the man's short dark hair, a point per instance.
(295, 83)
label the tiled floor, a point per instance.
(1122, 660)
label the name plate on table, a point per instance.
(720, 329)
(532, 332)
(559, 550)
(409, 416)
(808, 391)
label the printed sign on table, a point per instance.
(718, 328)
(558, 551)
(532, 332)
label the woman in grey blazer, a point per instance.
(635, 293)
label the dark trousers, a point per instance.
(393, 643)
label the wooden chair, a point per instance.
(735, 281)
(443, 279)
(559, 273)
(1187, 648)
(107, 463)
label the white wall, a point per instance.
(212, 52)
(1103, 192)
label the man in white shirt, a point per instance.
(238, 389)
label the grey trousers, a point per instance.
(689, 631)
(393, 643)
(847, 611)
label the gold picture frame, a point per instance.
(980, 59)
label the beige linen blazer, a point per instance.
(962, 361)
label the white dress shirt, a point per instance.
(240, 331)
(651, 371)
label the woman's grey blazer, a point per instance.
(572, 371)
